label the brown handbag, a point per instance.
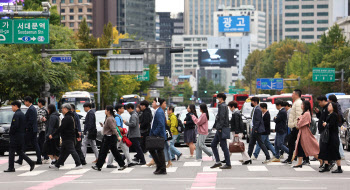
(236, 146)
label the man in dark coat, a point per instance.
(17, 137)
(78, 144)
(281, 130)
(257, 128)
(31, 132)
(145, 123)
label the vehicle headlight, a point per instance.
(2, 130)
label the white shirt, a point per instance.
(154, 116)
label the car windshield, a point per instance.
(7, 114)
(211, 115)
(130, 100)
(344, 104)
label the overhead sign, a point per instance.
(61, 59)
(234, 24)
(323, 74)
(271, 83)
(122, 64)
(258, 83)
(154, 51)
(25, 31)
(235, 91)
(144, 76)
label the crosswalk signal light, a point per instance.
(205, 92)
(199, 99)
(190, 98)
(217, 92)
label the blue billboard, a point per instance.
(234, 24)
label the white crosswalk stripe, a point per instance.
(171, 169)
(257, 168)
(127, 170)
(32, 173)
(188, 164)
(76, 172)
(26, 168)
(304, 169)
(208, 169)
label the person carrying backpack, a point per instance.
(173, 124)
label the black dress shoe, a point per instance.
(337, 171)
(96, 168)
(10, 170)
(298, 166)
(112, 166)
(247, 162)
(135, 160)
(38, 163)
(305, 163)
(324, 169)
(131, 164)
(223, 161)
(174, 159)
(18, 162)
(142, 163)
(32, 166)
(225, 167)
(122, 168)
(216, 165)
(178, 158)
(160, 172)
(83, 163)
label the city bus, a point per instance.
(132, 98)
(78, 98)
(239, 98)
(288, 97)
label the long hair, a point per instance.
(204, 109)
(307, 107)
(193, 109)
(110, 110)
(335, 110)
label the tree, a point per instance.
(85, 40)
(253, 64)
(186, 89)
(203, 90)
(168, 90)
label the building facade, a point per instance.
(257, 31)
(186, 63)
(199, 18)
(73, 12)
(344, 25)
(308, 20)
(191, 80)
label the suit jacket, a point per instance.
(258, 123)
(31, 119)
(158, 126)
(222, 118)
(267, 123)
(90, 122)
(17, 128)
(145, 121)
(281, 121)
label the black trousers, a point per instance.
(41, 141)
(109, 143)
(159, 159)
(68, 148)
(16, 147)
(143, 141)
(80, 152)
(137, 147)
(256, 137)
(31, 138)
(291, 143)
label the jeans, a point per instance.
(159, 159)
(31, 138)
(223, 143)
(266, 140)
(109, 143)
(137, 147)
(167, 153)
(92, 143)
(125, 150)
(200, 146)
(41, 141)
(68, 148)
(256, 137)
(174, 151)
(279, 145)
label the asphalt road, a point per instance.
(185, 174)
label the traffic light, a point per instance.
(217, 92)
(205, 91)
(190, 98)
(199, 98)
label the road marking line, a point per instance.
(53, 183)
(75, 172)
(300, 188)
(235, 163)
(171, 169)
(126, 170)
(205, 181)
(189, 164)
(3, 161)
(26, 168)
(208, 169)
(67, 167)
(275, 164)
(257, 168)
(32, 173)
(304, 169)
(314, 163)
(345, 168)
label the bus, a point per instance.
(288, 97)
(239, 98)
(132, 98)
(78, 98)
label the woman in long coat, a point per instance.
(331, 150)
(306, 144)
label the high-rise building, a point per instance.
(73, 12)
(109, 10)
(199, 18)
(308, 20)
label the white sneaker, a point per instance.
(253, 157)
(266, 161)
(53, 167)
(77, 167)
(46, 161)
(189, 157)
(198, 160)
(281, 157)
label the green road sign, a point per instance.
(144, 76)
(25, 31)
(181, 95)
(6, 28)
(235, 91)
(323, 74)
(231, 87)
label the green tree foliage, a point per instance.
(168, 90)
(210, 88)
(185, 89)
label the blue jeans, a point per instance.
(174, 151)
(223, 143)
(279, 145)
(167, 151)
(265, 139)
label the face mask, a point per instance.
(251, 104)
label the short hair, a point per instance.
(144, 103)
(28, 99)
(51, 108)
(298, 91)
(160, 100)
(87, 104)
(255, 99)
(171, 108)
(42, 101)
(73, 106)
(322, 98)
(16, 103)
(221, 95)
(67, 106)
(233, 104)
(279, 103)
(130, 105)
(263, 105)
(333, 98)
(118, 106)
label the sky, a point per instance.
(173, 6)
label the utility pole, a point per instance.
(342, 80)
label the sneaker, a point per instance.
(131, 164)
(122, 168)
(287, 162)
(314, 159)
(46, 162)
(275, 160)
(241, 161)
(54, 167)
(96, 168)
(94, 162)
(331, 165)
(77, 167)
(198, 160)
(266, 161)
(253, 158)
(281, 157)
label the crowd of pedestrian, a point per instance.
(55, 139)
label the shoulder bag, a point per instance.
(154, 143)
(225, 133)
(236, 145)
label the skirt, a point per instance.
(52, 147)
(190, 136)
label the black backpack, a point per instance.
(180, 125)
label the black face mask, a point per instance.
(251, 104)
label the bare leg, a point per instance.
(300, 160)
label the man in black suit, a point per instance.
(90, 131)
(257, 128)
(17, 137)
(281, 130)
(31, 131)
